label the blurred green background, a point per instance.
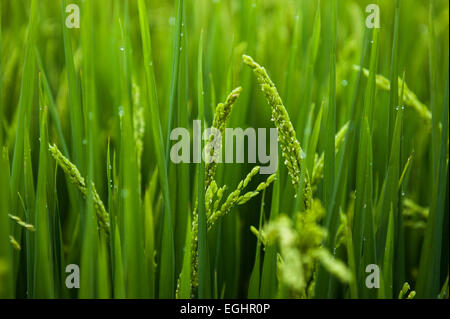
(109, 78)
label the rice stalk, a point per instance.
(76, 179)
(290, 147)
(21, 223)
(14, 243)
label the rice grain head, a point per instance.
(290, 146)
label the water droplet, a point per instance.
(344, 82)
(120, 111)
(122, 49)
(84, 142)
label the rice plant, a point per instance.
(92, 204)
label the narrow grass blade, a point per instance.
(43, 267)
(177, 48)
(393, 93)
(75, 107)
(313, 141)
(183, 178)
(431, 258)
(6, 263)
(25, 105)
(330, 119)
(167, 260)
(204, 280)
(255, 277)
(51, 104)
(184, 283)
(268, 276)
(310, 61)
(388, 259)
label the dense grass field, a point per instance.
(358, 207)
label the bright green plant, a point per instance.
(86, 116)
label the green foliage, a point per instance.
(85, 171)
